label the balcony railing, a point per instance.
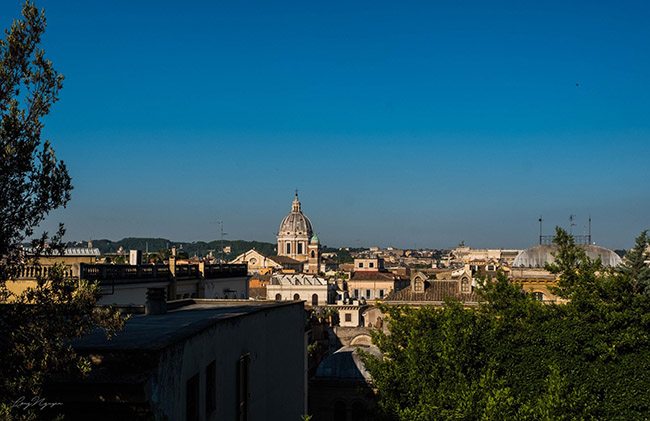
(99, 272)
(225, 271)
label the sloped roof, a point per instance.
(297, 279)
(286, 260)
(436, 291)
(374, 276)
(346, 364)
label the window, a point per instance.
(314, 299)
(381, 293)
(465, 286)
(211, 388)
(360, 264)
(356, 293)
(192, 398)
(278, 297)
(299, 248)
(243, 367)
(288, 248)
(296, 296)
(371, 264)
(368, 293)
(313, 254)
(539, 296)
(348, 317)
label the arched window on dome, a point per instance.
(288, 248)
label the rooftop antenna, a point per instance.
(571, 224)
(540, 230)
(589, 229)
(221, 245)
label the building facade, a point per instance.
(200, 360)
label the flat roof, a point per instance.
(156, 332)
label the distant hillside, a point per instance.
(199, 248)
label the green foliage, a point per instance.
(199, 248)
(342, 255)
(513, 357)
(37, 325)
(635, 269)
(33, 181)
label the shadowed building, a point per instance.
(201, 360)
(341, 389)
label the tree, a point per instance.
(635, 267)
(37, 325)
(517, 358)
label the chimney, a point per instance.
(156, 303)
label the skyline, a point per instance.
(413, 126)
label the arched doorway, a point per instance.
(358, 411)
(296, 296)
(340, 411)
(314, 299)
(278, 297)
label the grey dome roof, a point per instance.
(536, 257)
(296, 222)
(346, 364)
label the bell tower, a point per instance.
(314, 252)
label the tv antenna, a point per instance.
(571, 224)
(221, 244)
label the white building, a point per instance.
(313, 289)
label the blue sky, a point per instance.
(412, 124)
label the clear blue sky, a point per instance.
(412, 124)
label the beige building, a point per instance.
(71, 258)
(505, 256)
(260, 263)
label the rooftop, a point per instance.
(156, 332)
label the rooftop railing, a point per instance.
(99, 272)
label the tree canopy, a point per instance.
(36, 325)
(514, 357)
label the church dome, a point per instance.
(536, 257)
(346, 364)
(296, 222)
